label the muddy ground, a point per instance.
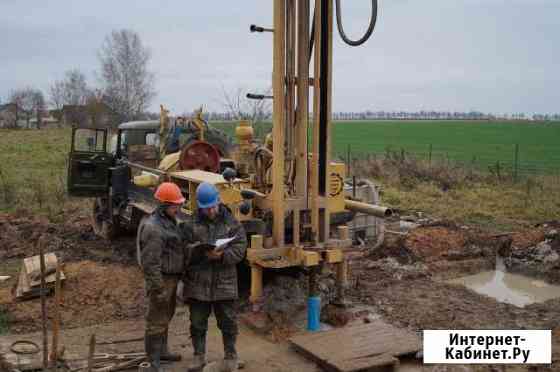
(402, 281)
(103, 283)
(404, 284)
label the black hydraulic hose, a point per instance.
(367, 35)
(345, 38)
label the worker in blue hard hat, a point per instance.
(211, 277)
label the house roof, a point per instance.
(7, 106)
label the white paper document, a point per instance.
(220, 243)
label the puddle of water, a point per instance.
(510, 288)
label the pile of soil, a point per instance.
(72, 240)
(431, 243)
(540, 259)
(446, 249)
(103, 282)
(527, 238)
(93, 293)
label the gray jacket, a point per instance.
(162, 249)
(207, 280)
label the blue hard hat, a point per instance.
(207, 195)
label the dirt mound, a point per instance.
(540, 260)
(431, 243)
(93, 293)
(527, 238)
(442, 242)
(72, 240)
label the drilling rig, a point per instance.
(287, 192)
(304, 183)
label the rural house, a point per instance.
(93, 114)
(10, 114)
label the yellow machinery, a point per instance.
(287, 192)
(293, 188)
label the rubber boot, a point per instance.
(230, 353)
(199, 359)
(230, 365)
(153, 345)
(165, 353)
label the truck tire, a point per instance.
(103, 224)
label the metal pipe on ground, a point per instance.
(370, 209)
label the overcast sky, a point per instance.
(489, 55)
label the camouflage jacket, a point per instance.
(162, 249)
(207, 280)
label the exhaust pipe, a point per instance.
(370, 209)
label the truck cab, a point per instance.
(99, 168)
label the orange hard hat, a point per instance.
(168, 192)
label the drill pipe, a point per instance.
(371, 209)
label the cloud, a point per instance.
(488, 55)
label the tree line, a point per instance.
(125, 87)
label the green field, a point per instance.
(33, 171)
(481, 144)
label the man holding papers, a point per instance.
(217, 244)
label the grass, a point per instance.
(33, 169)
(33, 173)
(459, 194)
(478, 143)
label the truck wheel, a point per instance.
(104, 226)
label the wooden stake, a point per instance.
(91, 353)
(56, 318)
(44, 304)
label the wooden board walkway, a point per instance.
(357, 347)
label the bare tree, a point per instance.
(56, 96)
(127, 83)
(38, 106)
(239, 107)
(72, 90)
(29, 101)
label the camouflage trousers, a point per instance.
(159, 313)
(226, 316)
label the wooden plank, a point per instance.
(44, 304)
(33, 266)
(366, 346)
(91, 352)
(29, 281)
(56, 319)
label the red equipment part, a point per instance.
(200, 155)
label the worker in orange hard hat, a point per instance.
(162, 258)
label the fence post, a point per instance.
(516, 164)
(430, 156)
(348, 158)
